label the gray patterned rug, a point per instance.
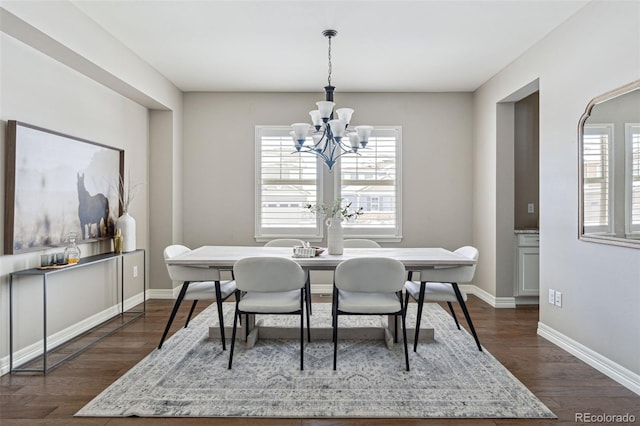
(449, 378)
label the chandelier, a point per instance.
(328, 134)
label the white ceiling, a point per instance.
(381, 46)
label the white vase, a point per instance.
(335, 236)
(127, 225)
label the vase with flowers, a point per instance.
(334, 215)
(126, 223)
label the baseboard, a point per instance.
(496, 302)
(35, 349)
(620, 374)
(163, 293)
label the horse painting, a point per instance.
(92, 209)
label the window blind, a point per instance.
(285, 184)
(370, 181)
(633, 178)
(597, 173)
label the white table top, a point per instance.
(412, 258)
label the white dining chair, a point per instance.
(441, 285)
(269, 285)
(197, 284)
(360, 243)
(284, 242)
(369, 286)
(292, 242)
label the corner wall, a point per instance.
(596, 50)
(92, 87)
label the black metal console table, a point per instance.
(44, 273)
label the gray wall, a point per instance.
(94, 88)
(42, 92)
(600, 284)
(219, 152)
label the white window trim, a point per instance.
(260, 234)
(370, 233)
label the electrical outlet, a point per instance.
(135, 271)
(552, 296)
(558, 299)
(531, 208)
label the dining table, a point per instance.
(414, 259)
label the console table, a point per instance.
(44, 273)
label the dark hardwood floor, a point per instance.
(565, 384)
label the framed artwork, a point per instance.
(56, 184)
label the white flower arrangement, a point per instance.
(335, 210)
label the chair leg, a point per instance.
(233, 333)
(220, 315)
(334, 305)
(419, 315)
(308, 325)
(302, 301)
(193, 308)
(307, 287)
(406, 302)
(334, 309)
(404, 332)
(453, 314)
(395, 327)
(335, 340)
(246, 327)
(176, 305)
(466, 314)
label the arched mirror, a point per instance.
(609, 141)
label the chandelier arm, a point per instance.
(324, 137)
(319, 154)
(345, 153)
(345, 147)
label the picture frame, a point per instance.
(56, 184)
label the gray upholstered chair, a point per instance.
(360, 243)
(369, 286)
(269, 285)
(198, 284)
(441, 285)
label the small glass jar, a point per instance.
(72, 252)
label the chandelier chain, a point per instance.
(330, 67)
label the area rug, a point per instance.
(449, 377)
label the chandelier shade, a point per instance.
(331, 137)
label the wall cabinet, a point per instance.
(527, 265)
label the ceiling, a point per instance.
(381, 46)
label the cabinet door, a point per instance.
(528, 271)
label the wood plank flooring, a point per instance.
(565, 384)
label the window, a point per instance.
(371, 180)
(597, 178)
(286, 181)
(632, 180)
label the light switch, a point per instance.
(531, 208)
